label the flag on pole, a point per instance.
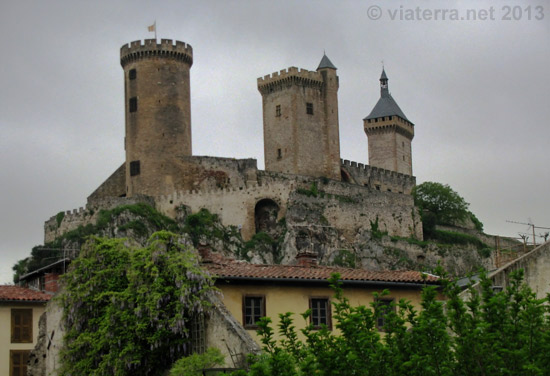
(153, 28)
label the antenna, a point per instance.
(533, 227)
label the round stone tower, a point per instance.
(158, 113)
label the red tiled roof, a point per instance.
(227, 268)
(22, 294)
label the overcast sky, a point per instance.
(477, 91)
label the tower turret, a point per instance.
(300, 117)
(389, 133)
(158, 112)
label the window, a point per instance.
(320, 312)
(132, 74)
(21, 325)
(18, 362)
(279, 154)
(133, 104)
(385, 306)
(278, 110)
(135, 168)
(309, 108)
(253, 310)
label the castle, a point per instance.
(301, 150)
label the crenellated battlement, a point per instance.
(405, 128)
(379, 178)
(149, 48)
(290, 76)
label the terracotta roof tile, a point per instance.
(227, 268)
(22, 294)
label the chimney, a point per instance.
(306, 259)
(50, 282)
(205, 252)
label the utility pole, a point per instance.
(533, 227)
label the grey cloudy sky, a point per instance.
(477, 91)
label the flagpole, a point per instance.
(155, 30)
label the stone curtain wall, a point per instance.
(535, 264)
(374, 177)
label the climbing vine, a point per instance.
(127, 311)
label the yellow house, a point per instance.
(253, 291)
(20, 310)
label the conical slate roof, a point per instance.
(326, 63)
(386, 106)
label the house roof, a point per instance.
(22, 294)
(238, 270)
(62, 262)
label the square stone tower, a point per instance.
(300, 117)
(389, 133)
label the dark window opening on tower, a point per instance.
(389, 117)
(278, 110)
(309, 108)
(132, 74)
(133, 104)
(279, 154)
(135, 168)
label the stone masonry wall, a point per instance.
(114, 186)
(536, 266)
(378, 178)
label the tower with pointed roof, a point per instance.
(389, 133)
(300, 121)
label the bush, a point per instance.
(193, 365)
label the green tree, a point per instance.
(441, 200)
(127, 311)
(491, 333)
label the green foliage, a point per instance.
(477, 223)
(126, 311)
(420, 243)
(451, 237)
(149, 216)
(344, 258)
(59, 218)
(447, 205)
(313, 190)
(19, 269)
(40, 257)
(375, 230)
(193, 365)
(201, 224)
(493, 333)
